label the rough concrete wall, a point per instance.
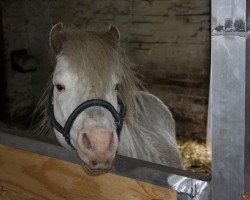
(169, 40)
(2, 72)
(23, 29)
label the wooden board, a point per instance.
(25, 176)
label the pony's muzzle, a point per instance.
(97, 148)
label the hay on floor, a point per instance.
(195, 155)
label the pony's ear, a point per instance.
(113, 35)
(56, 37)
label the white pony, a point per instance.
(95, 81)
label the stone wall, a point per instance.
(169, 40)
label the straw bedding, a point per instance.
(195, 156)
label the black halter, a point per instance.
(65, 131)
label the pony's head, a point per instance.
(89, 66)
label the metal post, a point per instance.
(247, 109)
(230, 99)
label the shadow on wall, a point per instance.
(2, 72)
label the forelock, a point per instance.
(91, 56)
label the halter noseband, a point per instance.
(65, 131)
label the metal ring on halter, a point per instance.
(65, 131)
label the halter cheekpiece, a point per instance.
(65, 131)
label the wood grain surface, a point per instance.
(29, 176)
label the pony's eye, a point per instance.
(117, 87)
(60, 87)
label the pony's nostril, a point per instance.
(111, 142)
(86, 142)
(93, 162)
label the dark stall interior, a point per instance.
(2, 74)
(168, 40)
